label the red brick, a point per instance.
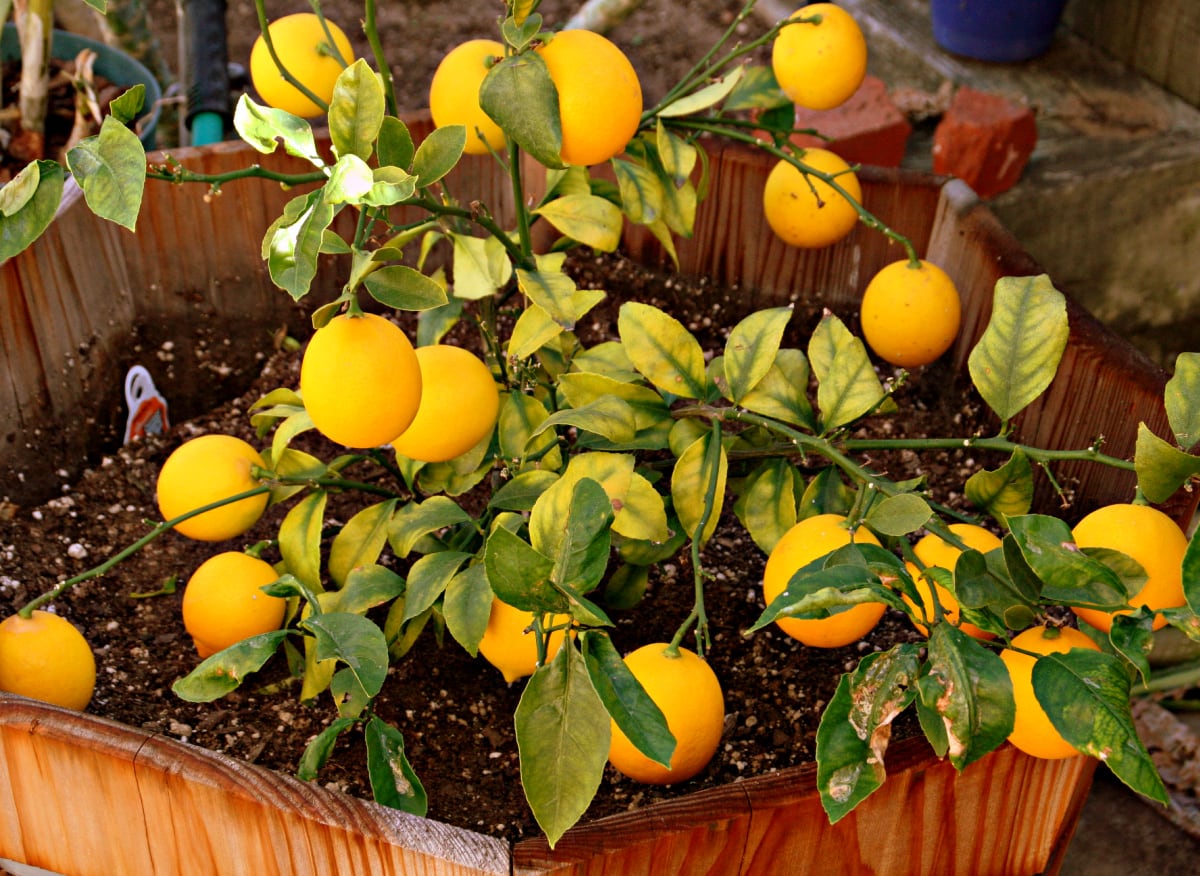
(984, 140)
(867, 129)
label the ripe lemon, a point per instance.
(454, 94)
(360, 380)
(819, 66)
(223, 602)
(303, 49)
(459, 405)
(205, 470)
(46, 658)
(1032, 731)
(1150, 537)
(507, 646)
(933, 551)
(805, 211)
(814, 537)
(910, 314)
(687, 692)
(599, 95)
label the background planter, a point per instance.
(996, 30)
(75, 775)
(111, 63)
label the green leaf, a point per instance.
(519, 575)
(588, 219)
(24, 215)
(125, 108)
(533, 330)
(1161, 468)
(1019, 352)
(848, 386)
(226, 670)
(703, 98)
(111, 169)
(428, 578)
(361, 540)
(317, 752)
(415, 520)
(663, 350)
(519, 96)
(481, 266)
(625, 700)
(693, 481)
(521, 29)
(349, 181)
(394, 782)
(1086, 696)
(751, 349)
(641, 191)
(626, 586)
(783, 392)
(300, 539)
(767, 504)
(404, 288)
(607, 416)
(642, 514)
(1191, 574)
(581, 389)
(758, 89)
(1005, 492)
(438, 153)
(356, 111)
(467, 606)
(395, 147)
(265, 128)
(969, 689)
(293, 243)
(366, 587)
(570, 524)
(563, 733)
(678, 156)
(1182, 399)
(853, 735)
(899, 515)
(522, 491)
(355, 641)
(1069, 576)
(519, 416)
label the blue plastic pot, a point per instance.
(996, 30)
(111, 63)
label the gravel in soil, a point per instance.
(455, 711)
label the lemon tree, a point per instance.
(553, 473)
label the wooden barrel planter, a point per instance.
(83, 795)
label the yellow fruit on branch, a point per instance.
(509, 642)
(910, 313)
(360, 380)
(808, 212)
(1150, 537)
(454, 94)
(1033, 732)
(687, 692)
(223, 602)
(46, 658)
(206, 470)
(458, 409)
(821, 61)
(932, 550)
(599, 95)
(305, 52)
(809, 539)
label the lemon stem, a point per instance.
(381, 64)
(62, 586)
(697, 616)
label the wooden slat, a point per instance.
(89, 797)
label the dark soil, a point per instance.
(454, 711)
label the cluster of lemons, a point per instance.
(437, 402)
